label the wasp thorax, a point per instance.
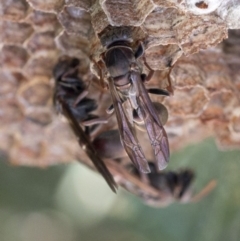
(118, 60)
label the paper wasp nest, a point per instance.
(178, 34)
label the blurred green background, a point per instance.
(70, 203)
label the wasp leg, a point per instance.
(170, 87)
(94, 121)
(157, 91)
(100, 65)
(151, 71)
(80, 97)
(205, 191)
(110, 109)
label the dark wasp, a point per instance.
(70, 99)
(160, 189)
(171, 185)
(126, 80)
(156, 188)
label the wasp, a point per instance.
(172, 185)
(157, 188)
(70, 99)
(125, 79)
(160, 189)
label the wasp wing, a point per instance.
(85, 143)
(127, 135)
(156, 132)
